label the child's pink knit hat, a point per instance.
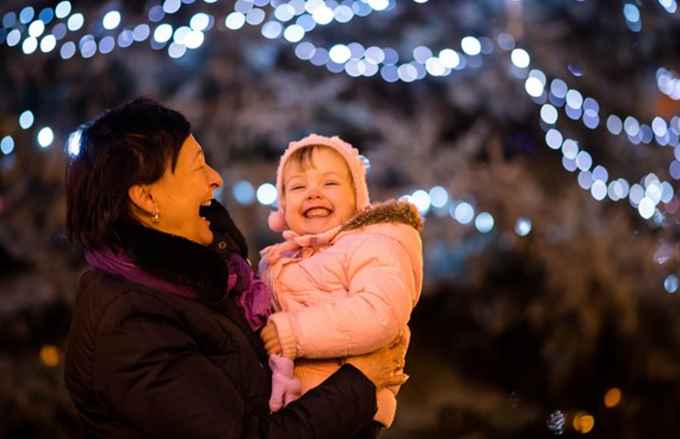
(277, 220)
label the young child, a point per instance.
(346, 277)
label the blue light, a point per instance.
(26, 119)
(7, 145)
(171, 6)
(422, 201)
(631, 12)
(523, 226)
(68, 50)
(439, 196)
(266, 194)
(200, 21)
(9, 19)
(73, 144)
(75, 22)
(554, 139)
(304, 50)
(63, 9)
(26, 15)
(244, 192)
(484, 222)
(45, 137)
(163, 33)
(111, 20)
(670, 284)
(464, 213)
(46, 15)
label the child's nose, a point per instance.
(313, 193)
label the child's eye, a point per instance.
(332, 183)
(295, 188)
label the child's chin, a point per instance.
(320, 225)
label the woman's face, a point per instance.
(179, 195)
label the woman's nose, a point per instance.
(215, 178)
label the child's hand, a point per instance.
(385, 367)
(270, 338)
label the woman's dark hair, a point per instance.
(131, 144)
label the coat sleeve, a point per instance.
(382, 294)
(152, 374)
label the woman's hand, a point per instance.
(270, 338)
(384, 367)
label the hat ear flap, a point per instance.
(277, 221)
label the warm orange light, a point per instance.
(612, 398)
(50, 356)
(583, 423)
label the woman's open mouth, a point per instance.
(203, 210)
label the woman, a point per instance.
(159, 344)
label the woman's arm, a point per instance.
(153, 375)
(382, 293)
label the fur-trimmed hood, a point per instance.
(391, 211)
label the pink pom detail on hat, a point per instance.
(277, 220)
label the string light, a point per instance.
(575, 107)
(671, 6)
(309, 15)
(437, 200)
(670, 284)
(523, 227)
(668, 83)
(7, 145)
(266, 194)
(356, 60)
(645, 196)
(631, 15)
(353, 58)
(105, 44)
(572, 103)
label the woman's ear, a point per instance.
(141, 198)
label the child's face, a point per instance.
(318, 195)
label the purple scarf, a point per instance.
(250, 294)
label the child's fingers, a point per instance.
(268, 336)
(272, 347)
(397, 379)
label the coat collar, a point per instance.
(176, 259)
(391, 211)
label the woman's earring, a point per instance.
(156, 218)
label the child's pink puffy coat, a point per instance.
(347, 291)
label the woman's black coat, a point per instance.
(147, 363)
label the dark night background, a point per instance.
(549, 307)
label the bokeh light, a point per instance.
(266, 194)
